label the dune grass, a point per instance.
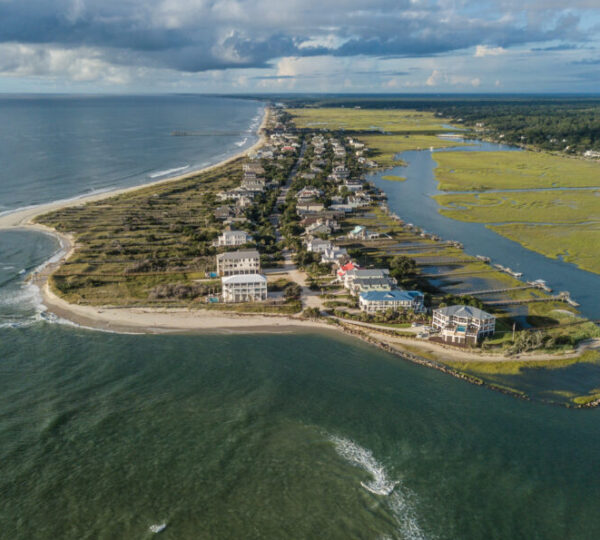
(481, 171)
(132, 243)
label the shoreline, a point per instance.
(143, 320)
(22, 217)
(164, 320)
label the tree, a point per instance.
(401, 267)
(292, 291)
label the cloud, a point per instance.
(80, 65)
(484, 50)
(202, 35)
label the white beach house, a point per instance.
(244, 288)
(233, 238)
(398, 300)
(463, 324)
(243, 261)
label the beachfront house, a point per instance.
(243, 261)
(463, 325)
(244, 288)
(398, 300)
(233, 238)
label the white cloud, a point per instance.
(484, 50)
(436, 78)
(77, 65)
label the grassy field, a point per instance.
(559, 224)
(393, 178)
(385, 147)
(565, 206)
(480, 171)
(404, 129)
(133, 247)
(577, 244)
(368, 120)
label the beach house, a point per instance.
(360, 285)
(398, 300)
(233, 238)
(463, 325)
(243, 261)
(244, 288)
(317, 245)
(368, 273)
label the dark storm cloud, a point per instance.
(199, 35)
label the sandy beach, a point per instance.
(23, 217)
(143, 320)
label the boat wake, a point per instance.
(242, 142)
(398, 499)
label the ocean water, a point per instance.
(54, 148)
(303, 436)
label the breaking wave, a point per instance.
(168, 172)
(398, 499)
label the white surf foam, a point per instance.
(242, 142)
(398, 498)
(159, 527)
(168, 172)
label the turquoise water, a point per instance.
(306, 436)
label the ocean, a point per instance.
(305, 435)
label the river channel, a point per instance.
(413, 201)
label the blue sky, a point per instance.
(239, 46)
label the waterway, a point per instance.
(413, 201)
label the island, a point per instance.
(293, 235)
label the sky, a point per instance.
(264, 46)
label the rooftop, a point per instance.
(243, 278)
(464, 311)
(398, 295)
(240, 254)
